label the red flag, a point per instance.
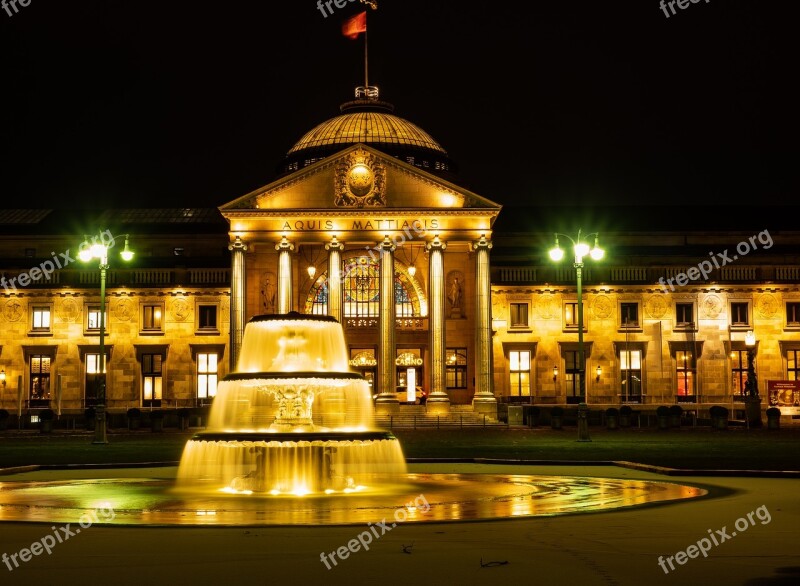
(355, 26)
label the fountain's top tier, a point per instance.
(293, 342)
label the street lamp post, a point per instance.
(581, 249)
(752, 400)
(100, 251)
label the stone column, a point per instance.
(284, 275)
(335, 305)
(387, 399)
(238, 303)
(484, 400)
(438, 402)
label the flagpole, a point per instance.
(366, 59)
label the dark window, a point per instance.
(456, 368)
(740, 315)
(207, 317)
(40, 381)
(519, 315)
(94, 379)
(572, 376)
(793, 314)
(629, 315)
(684, 314)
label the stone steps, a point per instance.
(421, 420)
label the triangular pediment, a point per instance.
(360, 178)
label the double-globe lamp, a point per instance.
(99, 250)
(581, 249)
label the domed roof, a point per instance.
(370, 121)
(367, 127)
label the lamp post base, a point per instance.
(752, 411)
(100, 425)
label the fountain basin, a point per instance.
(448, 497)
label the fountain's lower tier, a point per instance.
(291, 463)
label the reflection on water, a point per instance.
(452, 497)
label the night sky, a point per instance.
(178, 103)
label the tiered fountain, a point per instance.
(293, 418)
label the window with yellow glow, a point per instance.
(686, 369)
(207, 375)
(152, 379)
(519, 366)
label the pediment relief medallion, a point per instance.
(360, 181)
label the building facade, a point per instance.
(441, 292)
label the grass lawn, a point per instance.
(736, 448)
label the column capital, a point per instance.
(482, 244)
(387, 245)
(284, 245)
(238, 245)
(435, 244)
(334, 244)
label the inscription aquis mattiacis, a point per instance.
(418, 225)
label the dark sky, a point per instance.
(179, 103)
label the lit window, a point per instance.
(520, 371)
(206, 375)
(152, 317)
(40, 380)
(152, 380)
(686, 368)
(630, 369)
(93, 318)
(40, 319)
(739, 374)
(94, 379)
(571, 315)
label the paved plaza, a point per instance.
(605, 548)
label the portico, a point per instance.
(387, 242)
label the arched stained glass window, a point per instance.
(361, 291)
(402, 301)
(361, 287)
